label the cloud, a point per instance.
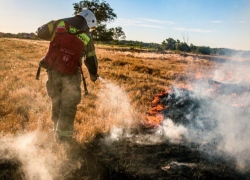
(128, 20)
(215, 21)
(242, 22)
(157, 21)
(147, 25)
(194, 30)
(131, 22)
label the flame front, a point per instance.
(215, 90)
(154, 117)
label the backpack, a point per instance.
(64, 51)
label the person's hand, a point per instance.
(93, 77)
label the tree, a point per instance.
(193, 48)
(183, 47)
(169, 44)
(102, 10)
(164, 45)
(102, 33)
(203, 50)
(118, 34)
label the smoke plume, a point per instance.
(226, 113)
(40, 158)
(221, 126)
(114, 107)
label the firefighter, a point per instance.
(63, 89)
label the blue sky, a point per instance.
(214, 23)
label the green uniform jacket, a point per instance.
(48, 30)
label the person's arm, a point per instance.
(47, 30)
(91, 61)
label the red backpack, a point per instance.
(64, 51)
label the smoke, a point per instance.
(223, 118)
(172, 131)
(114, 107)
(220, 127)
(232, 73)
(40, 158)
(166, 132)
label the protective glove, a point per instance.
(93, 77)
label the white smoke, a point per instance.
(172, 131)
(232, 73)
(114, 106)
(225, 126)
(227, 114)
(167, 131)
(39, 157)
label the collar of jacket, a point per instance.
(77, 22)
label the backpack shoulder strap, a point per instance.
(81, 31)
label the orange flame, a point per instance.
(154, 120)
(155, 117)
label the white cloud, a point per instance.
(147, 25)
(157, 21)
(194, 30)
(216, 21)
(131, 22)
(241, 21)
(128, 20)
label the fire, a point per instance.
(155, 117)
(156, 100)
(154, 120)
(216, 90)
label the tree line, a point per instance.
(177, 45)
(18, 35)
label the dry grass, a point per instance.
(25, 106)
